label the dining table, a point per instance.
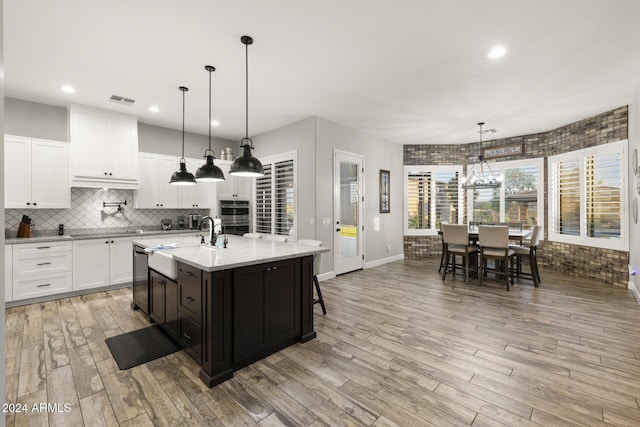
(515, 234)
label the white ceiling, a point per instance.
(408, 71)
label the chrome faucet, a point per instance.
(212, 233)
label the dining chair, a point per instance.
(253, 235)
(456, 242)
(442, 253)
(277, 238)
(316, 268)
(494, 244)
(530, 252)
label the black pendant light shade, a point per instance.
(246, 164)
(209, 171)
(182, 176)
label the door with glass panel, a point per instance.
(348, 211)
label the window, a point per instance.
(519, 199)
(587, 196)
(275, 196)
(433, 196)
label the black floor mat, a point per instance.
(141, 346)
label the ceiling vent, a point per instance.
(122, 100)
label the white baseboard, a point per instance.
(383, 261)
(326, 276)
(635, 290)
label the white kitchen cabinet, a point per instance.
(234, 187)
(36, 173)
(120, 260)
(41, 269)
(202, 195)
(154, 191)
(102, 262)
(8, 273)
(104, 148)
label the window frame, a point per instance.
(272, 160)
(510, 164)
(432, 169)
(583, 239)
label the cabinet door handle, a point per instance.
(44, 247)
(162, 282)
(187, 336)
(44, 263)
(189, 299)
(35, 204)
(28, 204)
(337, 229)
(43, 285)
(110, 174)
(112, 241)
(106, 241)
(188, 273)
(105, 173)
(269, 270)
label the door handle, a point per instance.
(338, 229)
(189, 299)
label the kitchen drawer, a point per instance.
(190, 291)
(41, 285)
(41, 248)
(190, 297)
(38, 263)
(190, 337)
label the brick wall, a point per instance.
(607, 265)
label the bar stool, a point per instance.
(316, 261)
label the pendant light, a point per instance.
(209, 171)
(246, 164)
(481, 180)
(182, 177)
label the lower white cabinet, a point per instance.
(41, 269)
(102, 262)
(8, 273)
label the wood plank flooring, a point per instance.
(398, 347)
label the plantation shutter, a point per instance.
(565, 197)
(418, 184)
(604, 186)
(284, 197)
(264, 202)
(446, 199)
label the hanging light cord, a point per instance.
(246, 90)
(210, 70)
(183, 89)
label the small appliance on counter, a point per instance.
(24, 229)
(166, 224)
(182, 222)
(194, 221)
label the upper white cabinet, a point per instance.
(234, 187)
(200, 196)
(154, 190)
(104, 148)
(36, 173)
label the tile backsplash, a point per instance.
(87, 212)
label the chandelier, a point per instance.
(485, 178)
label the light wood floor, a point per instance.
(398, 347)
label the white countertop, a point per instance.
(240, 251)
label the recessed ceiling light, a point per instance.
(497, 52)
(215, 123)
(68, 89)
(154, 109)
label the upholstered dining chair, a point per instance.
(494, 244)
(442, 254)
(316, 268)
(530, 252)
(456, 242)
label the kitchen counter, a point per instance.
(240, 251)
(98, 234)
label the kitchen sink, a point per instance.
(164, 263)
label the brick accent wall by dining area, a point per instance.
(609, 266)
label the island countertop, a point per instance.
(240, 251)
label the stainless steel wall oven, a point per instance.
(235, 216)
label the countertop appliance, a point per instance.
(140, 280)
(194, 221)
(235, 216)
(182, 222)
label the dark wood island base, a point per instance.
(228, 319)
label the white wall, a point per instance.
(634, 229)
(2, 321)
(314, 139)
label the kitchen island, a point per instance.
(229, 307)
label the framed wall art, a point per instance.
(385, 191)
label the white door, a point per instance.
(348, 183)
